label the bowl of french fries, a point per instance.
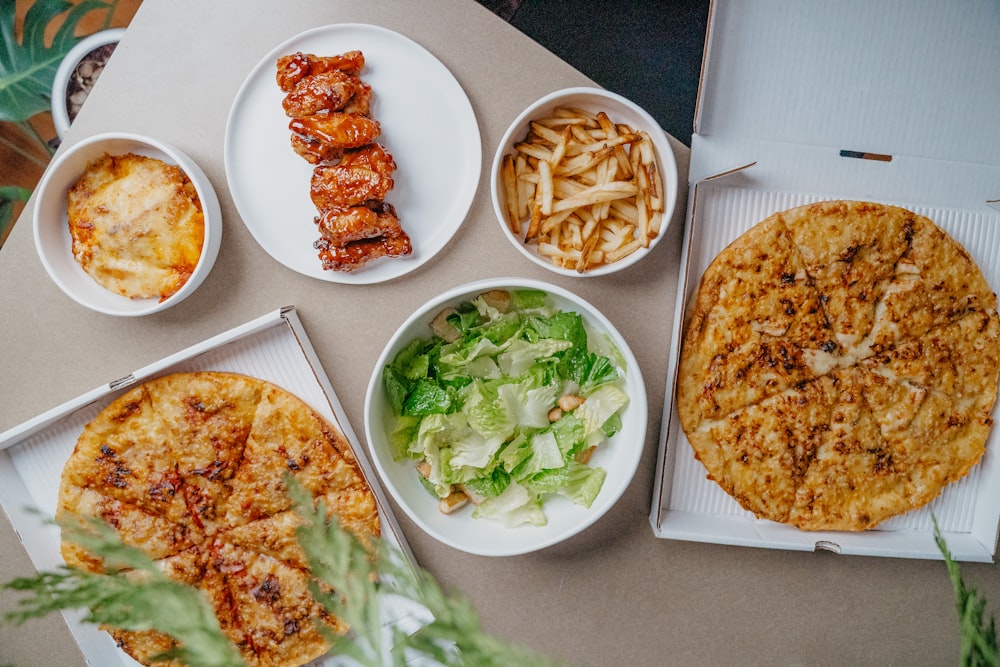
(584, 182)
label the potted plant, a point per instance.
(27, 70)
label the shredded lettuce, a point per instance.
(481, 411)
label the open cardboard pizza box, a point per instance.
(273, 347)
(800, 102)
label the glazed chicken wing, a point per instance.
(372, 156)
(337, 129)
(346, 225)
(360, 177)
(329, 91)
(356, 254)
(315, 152)
(295, 67)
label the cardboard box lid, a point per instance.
(917, 80)
(791, 93)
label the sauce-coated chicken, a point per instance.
(295, 67)
(332, 128)
(336, 129)
(346, 225)
(360, 177)
(329, 91)
(356, 254)
(313, 151)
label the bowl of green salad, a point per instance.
(505, 416)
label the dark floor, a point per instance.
(649, 51)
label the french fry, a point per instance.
(510, 193)
(525, 189)
(535, 222)
(595, 195)
(588, 188)
(610, 130)
(544, 196)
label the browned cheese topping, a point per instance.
(191, 468)
(839, 365)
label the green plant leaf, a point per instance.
(9, 195)
(28, 68)
(978, 636)
(133, 594)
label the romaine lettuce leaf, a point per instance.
(599, 406)
(426, 397)
(489, 485)
(527, 405)
(514, 507)
(578, 482)
(521, 355)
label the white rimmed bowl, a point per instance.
(68, 65)
(619, 110)
(619, 456)
(51, 226)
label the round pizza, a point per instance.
(192, 469)
(839, 365)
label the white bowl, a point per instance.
(619, 456)
(51, 225)
(60, 114)
(620, 110)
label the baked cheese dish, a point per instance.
(137, 225)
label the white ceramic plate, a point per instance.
(428, 126)
(619, 456)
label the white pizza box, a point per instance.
(804, 101)
(273, 347)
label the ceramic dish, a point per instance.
(428, 126)
(618, 456)
(68, 77)
(51, 228)
(619, 110)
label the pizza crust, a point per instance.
(839, 365)
(190, 467)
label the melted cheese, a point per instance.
(137, 225)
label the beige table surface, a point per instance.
(614, 595)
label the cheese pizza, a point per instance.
(839, 365)
(192, 468)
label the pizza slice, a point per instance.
(850, 250)
(760, 454)
(125, 454)
(187, 567)
(952, 359)
(938, 437)
(209, 415)
(155, 535)
(856, 478)
(287, 439)
(936, 282)
(756, 329)
(275, 620)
